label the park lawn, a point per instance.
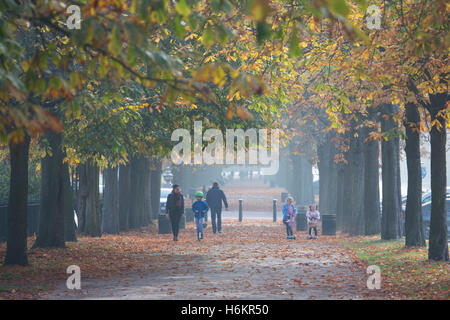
(404, 270)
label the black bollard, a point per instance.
(329, 224)
(300, 220)
(274, 210)
(188, 214)
(164, 225)
(240, 210)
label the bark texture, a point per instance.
(16, 245)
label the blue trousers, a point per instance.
(216, 212)
(199, 223)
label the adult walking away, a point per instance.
(214, 198)
(289, 213)
(175, 209)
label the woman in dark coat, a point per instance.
(175, 209)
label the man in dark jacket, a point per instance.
(175, 209)
(214, 198)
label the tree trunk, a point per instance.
(82, 196)
(413, 225)
(438, 242)
(124, 197)
(332, 181)
(340, 196)
(391, 211)
(371, 186)
(155, 177)
(69, 221)
(93, 214)
(323, 153)
(327, 176)
(110, 215)
(347, 190)
(135, 188)
(16, 246)
(357, 224)
(294, 178)
(145, 193)
(51, 218)
(140, 192)
(283, 177)
(307, 190)
(399, 190)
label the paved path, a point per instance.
(250, 260)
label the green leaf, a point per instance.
(179, 29)
(339, 7)
(294, 49)
(114, 45)
(259, 9)
(263, 31)
(208, 37)
(43, 62)
(183, 8)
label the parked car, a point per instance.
(163, 198)
(426, 201)
(426, 197)
(426, 213)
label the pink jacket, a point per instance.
(313, 216)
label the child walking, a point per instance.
(313, 217)
(199, 208)
(289, 213)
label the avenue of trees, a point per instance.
(107, 96)
(361, 103)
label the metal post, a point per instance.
(240, 210)
(274, 210)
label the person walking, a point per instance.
(214, 198)
(175, 209)
(289, 213)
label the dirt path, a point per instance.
(251, 260)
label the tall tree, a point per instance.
(110, 216)
(51, 217)
(371, 185)
(124, 196)
(69, 219)
(16, 245)
(155, 178)
(324, 156)
(357, 181)
(391, 210)
(438, 243)
(92, 224)
(340, 195)
(413, 213)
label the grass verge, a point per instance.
(404, 270)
